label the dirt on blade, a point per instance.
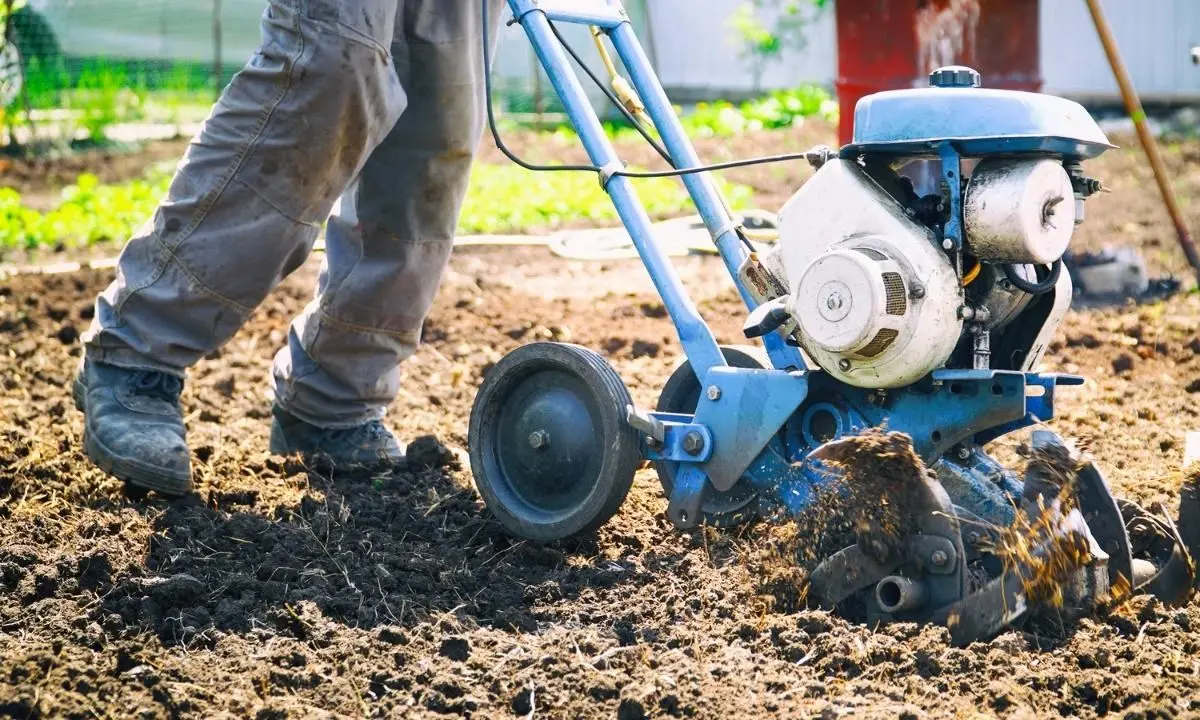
(282, 592)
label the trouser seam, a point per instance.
(403, 335)
(200, 284)
(214, 197)
(283, 213)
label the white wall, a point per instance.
(697, 55)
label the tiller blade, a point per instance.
(1070, 549)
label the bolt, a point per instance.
(713, 393)
(539, 439)
(918, 292)
(963, 453)
(834, 302)
(947, 244)
(693, 443)
(844, 365)
(939, 558)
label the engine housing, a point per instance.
(874, 297)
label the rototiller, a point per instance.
(915, 285)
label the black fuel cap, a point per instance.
(954, 76)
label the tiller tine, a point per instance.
(1072, 548)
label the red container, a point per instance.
(895, 44)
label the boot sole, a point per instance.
(280, 447)
(135, 473)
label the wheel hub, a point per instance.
(547, 441)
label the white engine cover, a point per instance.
(875, 298)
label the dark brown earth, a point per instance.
(280, 592)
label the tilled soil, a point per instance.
(280, 591)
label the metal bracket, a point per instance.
(605, 14)
(646, 423)
(751, 407)
(608, 171)
(951, 175)
(682, 441)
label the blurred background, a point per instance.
(116, 76)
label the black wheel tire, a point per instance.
(578, 480)
(681, 394)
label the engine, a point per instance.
(907, 253)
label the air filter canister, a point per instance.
(1019, 211)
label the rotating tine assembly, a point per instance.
(915, 285)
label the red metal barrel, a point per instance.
(895, 44)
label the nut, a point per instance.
(713, 393)
(939, 558)
(693, 443)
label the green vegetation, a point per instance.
(776, 110)
(780, 109)
(501, 199)
(89, 213)
(763, 43)
(510, 199)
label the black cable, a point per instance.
(487, 79)
(613, 98)
(491, 116)
(1045, 286)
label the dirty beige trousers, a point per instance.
(375, 105)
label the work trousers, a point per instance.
(365, 113)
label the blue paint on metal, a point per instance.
(694, 334)
(687, 496)
(978, 121)
(753, 406)
(585, 12)
(700, 186)
(952, 177)
(980, 485)
(674, 433)
(1038, 408)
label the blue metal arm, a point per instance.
(697, 340)
(694, 334)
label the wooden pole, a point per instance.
(1134, 107)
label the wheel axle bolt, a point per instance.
(713, 393)
(693, 443)
(539, 439)
(939, 558)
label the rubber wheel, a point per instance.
(681, 394)
(552, 454)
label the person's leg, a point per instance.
(388, 243)
(247, 201)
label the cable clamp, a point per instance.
(608, 171)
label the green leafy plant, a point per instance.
(778, 110)
(90, 213)
(510, 199)
(763, 43)
(501, 199)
